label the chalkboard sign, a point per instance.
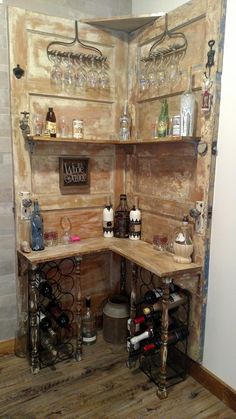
(74, 175)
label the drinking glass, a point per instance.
(56, 75)
(161, 73)
(104, 81)
(143, 79)
(173, 71)
(69, 75)
(66, 227)
(152, 76)
(80, 75)
(92, 76)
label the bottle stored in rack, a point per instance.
(173, 337)
(45, 289)
(54, 310)
(48, 344)
(175, 300)
(45, 325)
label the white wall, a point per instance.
(141, 7)
(220, 335)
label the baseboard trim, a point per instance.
(214, 384)
(7, 347)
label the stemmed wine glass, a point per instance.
(173, 71)
(80, 75)
(92, 76)
(161, 73)
(69, 74)
(56, 74)
(104, 82)
(143, 79)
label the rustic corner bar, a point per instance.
(138, 253)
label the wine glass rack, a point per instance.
(149, 361)
(59, 293)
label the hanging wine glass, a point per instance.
(173, 72)
(80, 75)
(161, 73)
(152, 78)
(104, 81)
(56, 74)
(143, 79)
(92, 76)
(69, 74)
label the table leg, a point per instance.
(33, 324)
(162, 392)
(78, 351)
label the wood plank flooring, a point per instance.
(99, 387)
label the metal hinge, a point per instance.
(214, 148)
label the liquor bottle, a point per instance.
(45, 325)
(183, 245)
(175, 300)
(121, 219)
(108, 220)
(125, 124)
(89, 333)
(37, 242)
(53, 309)
(50, 126)
(135, 222)
(173, 337)
(47, 343)
(45, 289)
(163, 121)
(188, 109)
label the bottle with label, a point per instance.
(175, 300)
(125, 124)
(188, 109)
(89, 333)
(183, 245)
(37, 241)
(135, 222)
(163, 121)
(50, 126)
(173, 337)
(121, 218)
(108, 220)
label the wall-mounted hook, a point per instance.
(18, 72)
(210, 57)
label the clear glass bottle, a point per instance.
(163, 121)
(121, 218)
(37, 240)
(135, 222)
(188, 109)
(89, 333)
(183, 245)
(50, 126)
(125, 124)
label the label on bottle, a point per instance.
(89, 339)
(162, 128)
(50, 129)
(78, 128)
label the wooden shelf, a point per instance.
(123, 23)
(96, 140)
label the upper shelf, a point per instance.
(123, 23)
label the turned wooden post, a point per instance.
(78, 351)
(162, 392)
(33, 324)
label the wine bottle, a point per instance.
(50, 126)
(45, 289)
(46, 343)
(89, 333)
(37, 241)
(125, 124)
(152, 296)
(175, 299)
(149, 333)
(45, 325)
(163, 121)
(53, 309)
(121, 219)
(108, 220)
(135, 222)
(188, 109)
(173, 337)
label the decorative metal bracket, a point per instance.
(55, 53)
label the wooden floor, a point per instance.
(98, 387)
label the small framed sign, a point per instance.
(74, 175)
